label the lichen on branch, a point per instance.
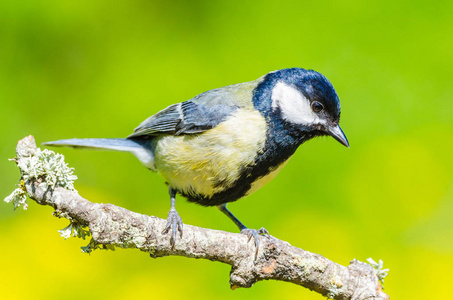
(44, 166)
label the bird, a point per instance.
(226, 143)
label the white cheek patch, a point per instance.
(295, 108)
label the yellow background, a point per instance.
(98, 68)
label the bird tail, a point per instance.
(109, 144)
(140, 148)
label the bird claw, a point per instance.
(256, 235)
(174, 222)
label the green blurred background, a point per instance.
(98, 68)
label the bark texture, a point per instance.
(111, 225)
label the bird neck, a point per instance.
(285, 138)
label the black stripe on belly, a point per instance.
(280, 145)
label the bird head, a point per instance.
(305, 100)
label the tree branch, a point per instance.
(113, 226)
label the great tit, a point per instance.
(226, 143)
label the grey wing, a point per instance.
(184, 118)
(198, 114)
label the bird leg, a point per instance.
(244, 230)
(174, 221)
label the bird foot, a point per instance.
(174, 222)
(256, 235)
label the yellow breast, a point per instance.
(210, 162)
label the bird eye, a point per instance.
(316, 106)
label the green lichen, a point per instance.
(152, 250)
(49, 166)
(92, 245)
(74, 229)
(336, 284)
(381, 273)
(18, 197)
(45, 165)
(333, 292)
(310, 265)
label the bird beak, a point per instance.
(338, 134)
